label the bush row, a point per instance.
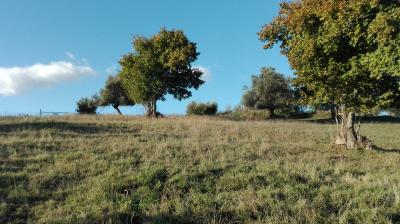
(209, 108)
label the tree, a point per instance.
(114, 94)
(345, 52)
(160, 65)
(87, 105)
(270, 90)
(208, 109)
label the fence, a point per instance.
(42, 113)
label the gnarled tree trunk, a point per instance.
(347, 135)
(116, 107)
(152, 109)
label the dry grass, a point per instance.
(106, 169)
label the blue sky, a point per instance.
(88, 38)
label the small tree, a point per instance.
(87, 105)
(160, 65)
(114, 94)
(346, 53)
(202, 108)
(270, 90)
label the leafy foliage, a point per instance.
(344, 52)
(394, 111)
(87, 105)
(270, 90)
(160, 65)
(202, 108)
(114, 94)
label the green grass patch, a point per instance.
(106, 169)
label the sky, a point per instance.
(52, 53)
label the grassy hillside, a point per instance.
(193, 170)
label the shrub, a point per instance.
(250, 114)
(87, 105)
(202, 108)
(241, 113)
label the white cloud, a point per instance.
(70, 55)
(207, 75)
(18, 80)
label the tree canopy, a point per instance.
(345, 52)
(87, 105)
(114, 94)
(160, 65)
(270, 90)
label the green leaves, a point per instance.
(345, 52)
(160, 65)
(270, 90)
(114, 94)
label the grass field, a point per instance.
(104, 169)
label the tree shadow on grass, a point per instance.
(165, 218)
(382, 150)
(395, 217)
(380, 119)
(221, 217)
(79, 128)
(319, 121)
(364, 120)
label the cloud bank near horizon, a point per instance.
(19, 80)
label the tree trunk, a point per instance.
(272, 112)
(149, 109)
(333, 111)
(116, 107)
(152, 109)
(347, 135)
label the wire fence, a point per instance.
(49, 113)
(33, 114)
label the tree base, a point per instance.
(362, 143)
(155, 115)
(347, 136)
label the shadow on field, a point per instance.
(222, 217)
(319, 121)
(79, 128)
(380, 119)
(387, 150)
(165, 218)
(371, 119)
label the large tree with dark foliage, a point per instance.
(270, 90)
(160, 65)
(114, 94)
(344, 52)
